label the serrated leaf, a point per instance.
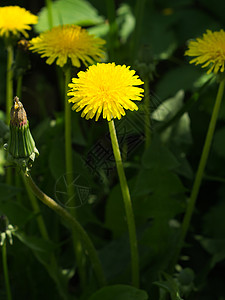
(79, 12)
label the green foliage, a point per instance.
(77, 12)
(160, 177)
(120, 292)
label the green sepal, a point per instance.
(21, 147)
(21, 142)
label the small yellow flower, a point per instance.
(209, 51)
(68, 41)
(106, 88)
(15, 19)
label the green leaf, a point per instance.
(56, 158)
(169, 107)
(114, 213)
(158, 197)
(36, 244)
(16, 213)
(174, 80)
(155, 26)
(216, 247)
(2, 161)
(79, 12)
(213, 220)
(126, 21)
(4, 129)
(8, 191)
(178, 135)
(200, 21)
(44, 251)
(158, 157)
(219, 142)
(115, 257)
(77, 136)
(119, 292)
(170, 285)
(100, 30)
(186, 276)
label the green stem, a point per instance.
(69, 177)
(198, 178)
(68, 140)
(9, 97)
(75, 227)
(17, 177)
(113, 28)
(139, 12)
(127, 204)
(36, 209)
(202, 163)
(48, 3)
(9, 82)
(18, 185)
(214, 178)
(147, 114)
(19, 86)
(5, 270)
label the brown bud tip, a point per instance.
(17, 114)
(23, 44)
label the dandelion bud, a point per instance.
(21, 147)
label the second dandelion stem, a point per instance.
(5, 270)
(80, 259)
(199, 175)
(68, 141)
(202, 163)
(127, 204)
(147, 114)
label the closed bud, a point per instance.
(21, 146)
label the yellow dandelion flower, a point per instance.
(15, 19)
(105, 88)
(209, 51)
(68, 41)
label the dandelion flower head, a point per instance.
(68, 41)
(209, 51)
(105, 88)
(15, 19)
